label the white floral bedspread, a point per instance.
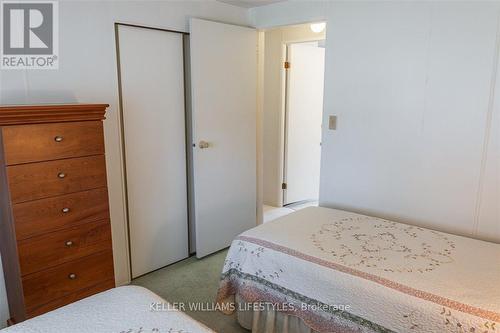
(345, 272)
(128, 309)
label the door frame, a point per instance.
(282, 165)
(188, 131)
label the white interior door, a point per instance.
(303, 121)
(152, 86)
(224, 83)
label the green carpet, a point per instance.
(191, 281)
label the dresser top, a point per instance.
(46, 113)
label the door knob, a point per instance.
(203, 145)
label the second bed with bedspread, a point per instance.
(333, 271)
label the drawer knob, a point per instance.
(61, 175)
(65, 210)
(58, 138)
(204, 145)
(69, 243)
(72, 276)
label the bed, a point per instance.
(128, 309)
(326, 270)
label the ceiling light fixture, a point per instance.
(318, 27)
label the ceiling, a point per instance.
(250, 3)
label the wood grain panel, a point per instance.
(41, 180)
(45, 215)
(52, 305)
(38, 253)
(53, 283)
(44, 142)
(36, 114)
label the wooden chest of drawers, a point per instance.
(55, 233)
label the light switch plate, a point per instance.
(332, 122)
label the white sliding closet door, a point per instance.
(152, 86)
(224, 83)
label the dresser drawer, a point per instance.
(57, 303)
(44, 142)
(47, 179)
(38, 253)
(40, 216)
(61, 281)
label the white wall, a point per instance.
(411, 83)
(273, 109)
(87, 74)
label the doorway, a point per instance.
(293, 79)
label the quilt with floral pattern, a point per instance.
(127, 309)
(344, 272)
